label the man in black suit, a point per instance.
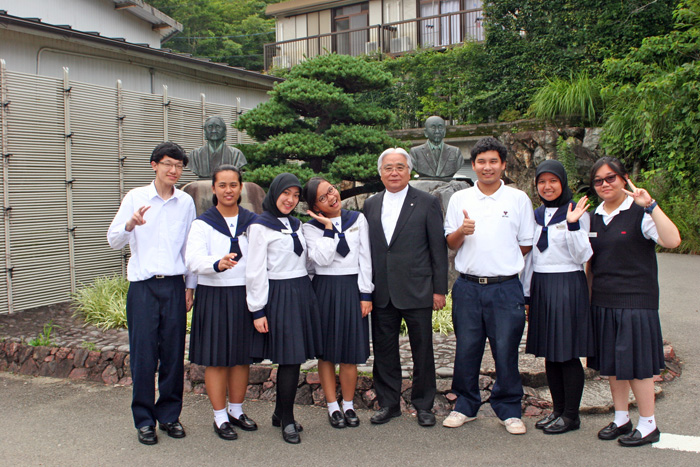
(409, 266)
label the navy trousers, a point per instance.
(496, 311)
(386, 325)
(157, 318)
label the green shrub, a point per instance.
(442, 319)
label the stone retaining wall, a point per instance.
(112, 367)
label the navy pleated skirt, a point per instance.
(560, 323)
(629, 343)
(222, 327)
(293, 321)
(345, 332)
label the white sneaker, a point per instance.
(456, 419)
(514, 426)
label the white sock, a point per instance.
(235, 409)
(220, 417)
(621, 417)
(646, 425)
(332, 407)
(347, 406)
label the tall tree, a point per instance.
(227, 31)
(319, 118)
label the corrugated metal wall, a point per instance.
(70, 151)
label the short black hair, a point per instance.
(613, 162)
(222, 168)
(169, 149)
(489, 143)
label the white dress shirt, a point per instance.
(648, 224)
(270, 256)
(158, 246)
(324, 259)
(206, 246)
(504, 222)
(391, 208)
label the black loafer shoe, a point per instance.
(226, 431)
(562, 425)
(385, 414)
(546, 421)
(278, 423)
(635, 438)
(174, 429)
(426, 418)
(290, 434)
(613, 431)
(147, 435)
(351, 418)
(336, 419)
(243, 422)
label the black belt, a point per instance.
(161, 276)
(487, 280)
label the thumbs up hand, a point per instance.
(468, 225)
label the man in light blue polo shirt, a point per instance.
(491, 226)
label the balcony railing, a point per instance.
(391, 38)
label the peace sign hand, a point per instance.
(227, 262)
(137, 218)
(575, 214)
(639, 195)
(327, 223)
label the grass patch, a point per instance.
(44, 337)
(442, 319)
(89, 346)
(103, 304)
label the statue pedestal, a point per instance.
(200, 191)
(444, 191)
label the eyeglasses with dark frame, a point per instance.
(609, 179)
(323, 198)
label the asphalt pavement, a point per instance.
(45, 421)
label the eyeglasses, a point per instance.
(323, 198)
(169, 166)
(609, 179)
(400, 168)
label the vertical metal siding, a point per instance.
(108, 125)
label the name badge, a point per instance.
(286, 231)
(352, 229)
(561, 226)
(592, 234)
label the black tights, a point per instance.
(566, 385)
(287, 382)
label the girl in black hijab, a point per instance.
(279, 295)
(560, 325)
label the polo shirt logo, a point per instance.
(624, 232)
(505, 213)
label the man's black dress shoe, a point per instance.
(385, 414)
(336, 419)
(351, 418)
(546, 421)
(226, 431)
(426, 418)
(147, 435)
(613, 431)
(243, 422)
(174, 429)
(290, 434)
(278, 423)
(635, 438)
(562, 425)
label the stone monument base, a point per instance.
(200, 191)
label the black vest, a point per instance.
(625, 273)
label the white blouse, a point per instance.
(206, 246)
(324, 260)
(270, 257)
(567, 250)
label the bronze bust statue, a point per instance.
(205, 159)
(435, 159)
